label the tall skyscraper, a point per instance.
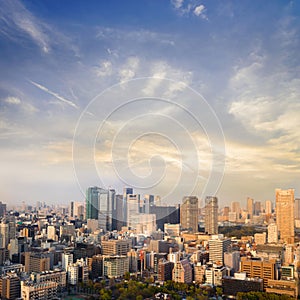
(92, 203)
(133, 209)
(285, 214)
(217, 247)
(121, 204)
(189, 213)
(250, 207)
(106, 206)
(268, 208)
(297, 208)
(211, 215)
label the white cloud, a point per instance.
(129, 69)
(15, 16)
(13, 100)
(177, 3)
(105, 69)
(199, 10)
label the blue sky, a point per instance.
(242, 57)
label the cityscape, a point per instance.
(149, 150)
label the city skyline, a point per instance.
(239, 62)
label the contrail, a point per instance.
(54, 94)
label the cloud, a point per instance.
(187, 7)
(13, 100)
(104, 69)
(177, 3)
(57, 96)
(14, 16)
(199, 10)
(129, 69)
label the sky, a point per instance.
(173, 98)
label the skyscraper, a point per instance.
(106, 207)
(211, 215)
(189, 213)
(272, 233)
(133, 209)
(297, 208)
(268, 208)
(250, 207)
(285, 214)
(92, 203)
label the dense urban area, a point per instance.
(130, 246)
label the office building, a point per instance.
(115, 266)
(165, 214)
(285, 215)
(31, 290)
(272, 233)
(232, 260)
(133, 209)
(116, 247)
(250, 207)
(182, 271)
(172, 229)
(240, 284)
(189, 214)
(269, 208)
(211, 215)
(165, 269)
(2, 209)
(106, 207)
(4, 235)
(260, 238)
(218, 245)
(10, 286)
(37, 262)
(297, 208)
(148, 201)
(259, 269)
(92, 203)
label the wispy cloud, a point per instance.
(189, 7)
(15, 16)
(57, 96)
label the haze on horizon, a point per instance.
(70, 72)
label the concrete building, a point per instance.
(115, 265)
(211, 215)
(116, 247)
(240, 283)
(260, 238)
(259, 269)
(189, 214)
(218, 245)
(269, 207)
(285, 201)
(250, 207)
(272, 233)
(165, 269)
(37, 262)
(182, 271)
(232, 260)
(10, 286)
(38, 290)
(172, 229)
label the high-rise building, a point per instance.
(10, 286)
(297, 208)
(121, 208)
(115, 266)
(285, 215)
(92, 203)
(165, 269)
(211, 215)
(217, 247)
(250, 207)
(182, 271)
(257, 208)
(232, 260)
(116, 247)
(2, 209)
(269, 207)
(106, 204)
(272, 233)
(236, 208)
(189, 214)
(148, 202)
(133, 209)
(260, 269)
(4, 229)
